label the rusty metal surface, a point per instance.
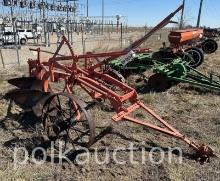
(159, 83)
(53, 111)
(27, 99)
(31, 83)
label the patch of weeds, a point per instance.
(180, 172)
(140, 115)
(149, 98)
(188, 109)
(166, 117)
(137, 129)
(179, 111)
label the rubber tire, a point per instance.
(213, 49)
(23, 41)
(199, 53)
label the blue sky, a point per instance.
(150, 12)
(140, 12)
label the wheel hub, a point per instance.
(179, 70)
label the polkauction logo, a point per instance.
(155, 155)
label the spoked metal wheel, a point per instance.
(197, 57)
(64, 113)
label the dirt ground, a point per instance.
(193, 111)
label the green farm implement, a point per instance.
(167, 75)
(141, 62)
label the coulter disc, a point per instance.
(159, 83)
(117, 75)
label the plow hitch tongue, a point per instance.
(204, 153)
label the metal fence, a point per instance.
(82, 42)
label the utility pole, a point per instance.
(44, 23)
(74, 4)
(200, 12)
(103, 12)
(67, 15)
(87, 8)
(67, 20)
(16, 37)
(182, 14)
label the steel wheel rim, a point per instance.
(75, 120)
(196, 57)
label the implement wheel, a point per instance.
(209, 46)
(62, 113)
(159, 83)
(197, 56)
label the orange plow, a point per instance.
(61, 111)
